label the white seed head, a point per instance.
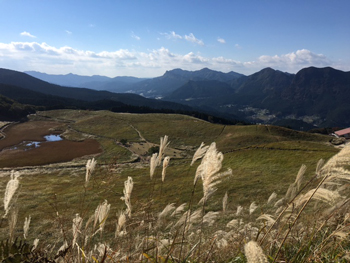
(165, 165)
(90, 167)
(26, 226)
(254, 253)
(10, 191)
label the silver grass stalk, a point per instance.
(120, 225)
(300, 176)
(224, 202)
(12, 223)
(165, 165)
(268, 218)
(222, 243)
(90, 167)
(322, 194)
(10, 191)
(210, 217)
(233, 223)
(163, 145)
(77, 223)
(272, 198)
(295, 187)
(153, 164)
(340, 159)
(239, 210)
(340, 234)
(338, 175)
(128, 186)
(279, 202)
(26, 226)
(63, 247)
(194, 217)
(252, 208)
(166, 211)
(254, 253)
(199, 153)
(208, 171)
(211, 163)
(179, 210)
(35, 244)
(101, 214)
(319, 166)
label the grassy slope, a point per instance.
(263, 160)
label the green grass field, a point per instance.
(263, 159)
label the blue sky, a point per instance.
(146, 38)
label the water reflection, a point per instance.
(53, 138)
(28, 145)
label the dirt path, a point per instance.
(138, 132)
(3, 126)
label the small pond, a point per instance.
(53, 138)
(28, 145)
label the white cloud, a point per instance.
(27, 34)
(172, 35)
(193, 39)
(295, 60)
(69, 32)
(134, 36)
(221, 40)
(62, 60)
(238, 46)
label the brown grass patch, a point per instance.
(48, 152)
(28, 131)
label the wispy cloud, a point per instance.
(238, 46)
(135, 36)
(27, 34)
(62, 60)
(193, 39)
(69, 32)
(190, 38)
(172, 35)
(221, 40)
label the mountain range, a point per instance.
(311, 97)
(24, 90)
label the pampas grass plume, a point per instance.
(153, 164)
(101, 214)
(10, 191)
(163, 145)
(128, 186)
(165, 165)
(239, 210)
(224, 202)
(199, 153)
(272, 198)
(90, 167)
(77, 223)
(26, 226)
(252, 208)
(254, 253)
(120, 224)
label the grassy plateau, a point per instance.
(276, 210)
